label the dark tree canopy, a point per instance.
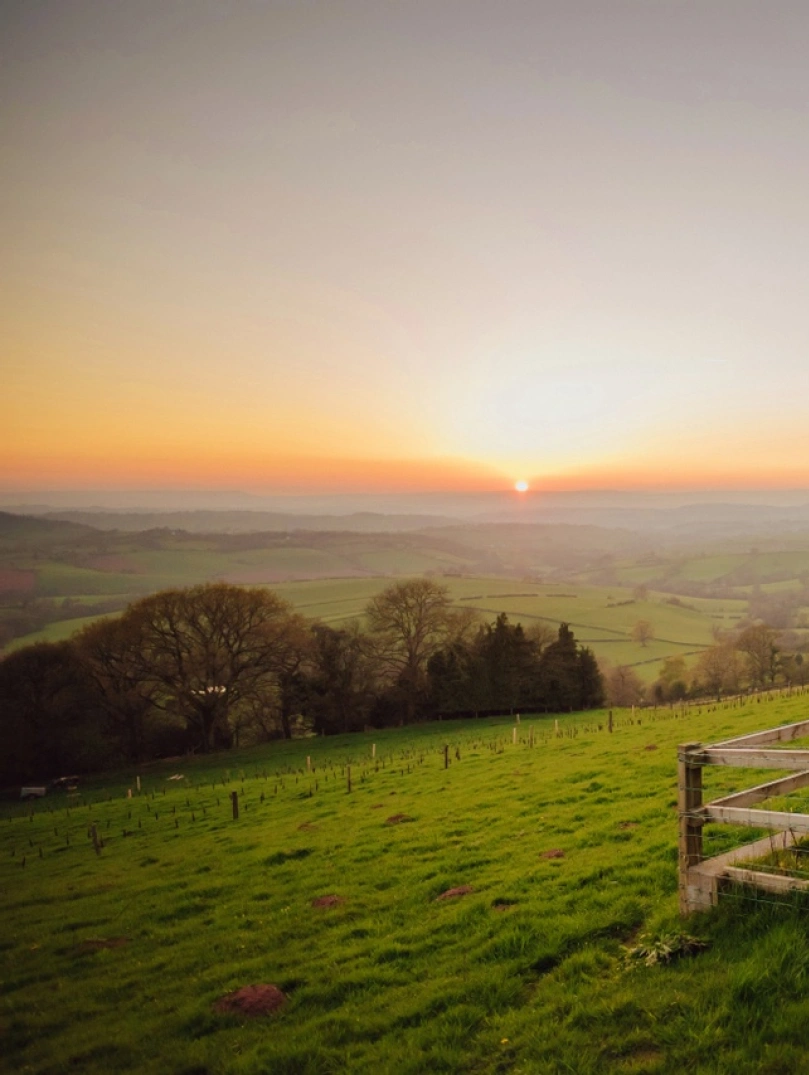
(49, 717)
(503, 668)
(208, 650)
(208, 666)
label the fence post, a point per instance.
(689, 785)
(234, 798)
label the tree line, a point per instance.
(756, 657)
(216, 665)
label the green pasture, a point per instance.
(779, 567)
(776, 587)
(257, 565)
(565, 853)
(633, 574)
(711, 568)
(404, 562)
(791, 561)
(600, 616)
(65, 580)
(54, 632)
(321, 598)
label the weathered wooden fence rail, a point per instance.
(702, 879)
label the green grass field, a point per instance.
(784, 566)
(113, 962)
(599, 616)
(54, 632)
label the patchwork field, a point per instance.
(533, 573)
(561, 855)
(601, 617)
(734, 569)
(596, 614)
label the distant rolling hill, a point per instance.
(240, 522)
(56, 573)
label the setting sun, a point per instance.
(521, 486)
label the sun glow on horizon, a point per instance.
(521, 486)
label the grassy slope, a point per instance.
(54, 632)
(776, 565)
(525, 974)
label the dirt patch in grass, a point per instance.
(95, 944)
(639, 1059)
(554, 853)
(650, 746)
(454, 893)
(328, 901)
(398, 819)
(307, 826)
(630, 938)
(503, 905)
(629, 824)
(252, 1000)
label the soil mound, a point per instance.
(95, 944)
(252, 1000)
(328, 901)
(453, 893)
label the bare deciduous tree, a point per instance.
(643, 632)
(624, 686)
(718, 670)
(758, 643)
(410, 621)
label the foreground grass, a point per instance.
(525, 973)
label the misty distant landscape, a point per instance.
(60, 564)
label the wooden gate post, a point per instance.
(689, 786)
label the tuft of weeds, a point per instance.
(664, 948)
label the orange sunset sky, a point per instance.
(404, 246)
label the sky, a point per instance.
(323, 245)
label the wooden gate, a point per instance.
(701, 879)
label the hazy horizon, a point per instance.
(402, 248)
(460, 503)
